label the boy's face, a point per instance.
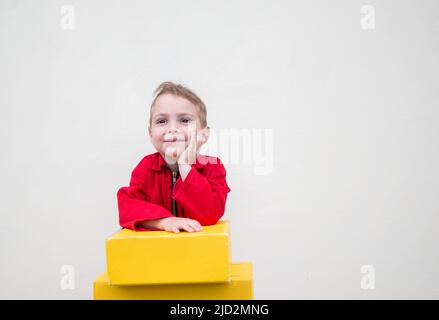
(171, 119)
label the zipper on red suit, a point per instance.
(173, 203)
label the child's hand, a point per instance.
(175, 224)
(189, 155)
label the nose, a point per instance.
(172, 126)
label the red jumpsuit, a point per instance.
(201, 196)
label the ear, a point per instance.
(203, 135)
(149, 132)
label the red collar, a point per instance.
(159, 161)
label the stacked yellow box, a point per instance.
(165, 265)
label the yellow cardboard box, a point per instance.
(240, 287)
(161, 257)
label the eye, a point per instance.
(160, 121)
(186, 120)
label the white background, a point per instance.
(354, 114)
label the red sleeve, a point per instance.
(203, 197)
(132, 203)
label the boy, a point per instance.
(175, 188)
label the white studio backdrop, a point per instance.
(343, 94)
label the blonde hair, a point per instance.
(183, 92)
